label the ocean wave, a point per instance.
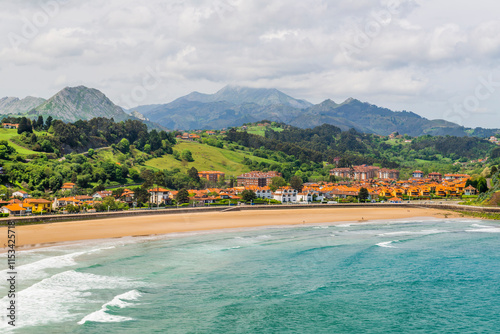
(47, 301)
(387, 244)
(118, 301)
(36, 270)
(481, 226)
(485, 230)
(403, 233)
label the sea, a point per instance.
(400, 276)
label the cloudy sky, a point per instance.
(437, 58)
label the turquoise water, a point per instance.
(420, 276)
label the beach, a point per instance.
(29, 236)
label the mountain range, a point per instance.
(69, 105)
(235, 106)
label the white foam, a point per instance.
(403, 233)
(253, 239)
(481, 226)
(228, 248)
(118, 301)
(387, 244)
(485, 230)
(55, 299)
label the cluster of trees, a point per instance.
(28, 125)
(6, 150)
(100, 132)
(42, 174)
(40, 143)
(95, 133)
(322, 143)
(255, 141)
(452, 147)
(480, 184)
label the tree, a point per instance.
(182, 196)
(221, 182)
(109, 203)
(193, 173)
(482, 185)
(248, 195)
(91, 153)
(296, 183)
(46, 146)
(277, 182)
(176, 155)
(48, 122)
(123, 145)
(134, 175)
(39, 123)
(83, 180)
(148, 177)
(142, 194)
(5, 149)
(24, 126)
(99, 187)
(117, 193)
(187, 155)
(72, 208)
(363, 194)
(494, 170)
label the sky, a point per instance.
(439, 59)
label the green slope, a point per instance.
(207, 158)
(8, 134)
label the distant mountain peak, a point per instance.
(351, 100)
(80, 102)
(239, 95)
(16, 106)
(328, 102)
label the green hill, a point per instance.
(8, 134)
(207, 158)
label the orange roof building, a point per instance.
(13, 209)
(212, 176)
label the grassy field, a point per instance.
(394, 142)
(106, 154)
(260, 130)
(8, 134)
(206, 158)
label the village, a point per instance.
(380, 184)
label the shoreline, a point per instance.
(42, 235)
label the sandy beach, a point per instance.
(44, 234)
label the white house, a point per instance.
(470, 191)
(309, 196)
(20, 193)
(159, 195)
(102, 194)
(13, 209)
(264, 192)
(285, 195)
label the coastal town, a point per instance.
(380, 185)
